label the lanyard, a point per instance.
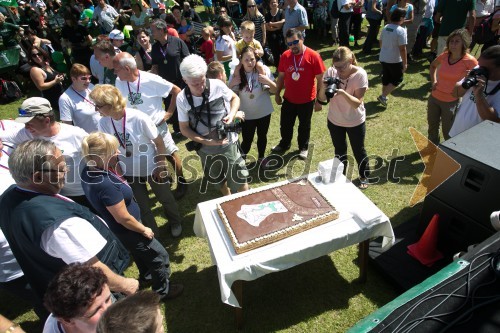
(250, 85)
(117, 176)
(163, 50)
(133, 98)
(300, 61)
(122, 140)
(84, 98)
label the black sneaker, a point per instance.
(279, 149)
(181, 189)
(174, 291)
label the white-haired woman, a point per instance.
(143, 153)
(113, 199)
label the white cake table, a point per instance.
(359, 221)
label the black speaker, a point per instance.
(466, 200)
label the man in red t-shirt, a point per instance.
(300, 69)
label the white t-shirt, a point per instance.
(340, 112)
(69, 141)
(226, 45)
(392, 37)
(139, 21)
(137, 136)
(260, 105)
(72, 240)
(97, 69)
(146, 94)
(79, 109)
(217, 90)
(52, 325)
(9, 268)
(467, 115)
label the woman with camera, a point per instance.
(343, 88)
(255, 101)
(446, 70)
(142, 152)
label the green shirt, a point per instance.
(454, 14)
(8, 33)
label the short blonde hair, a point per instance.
(79, 70)
(99, 147)
(247, 26)
(106, 94)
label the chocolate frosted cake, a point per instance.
(269, 215)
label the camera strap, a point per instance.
(204, 104)
(493, 91)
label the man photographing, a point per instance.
(208, 115)
(479, 92)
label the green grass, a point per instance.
(318, 296)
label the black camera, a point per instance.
(222, 128)
(471, 79)
(333, 83)
(193, 146)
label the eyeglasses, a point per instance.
(295, 42)
(341, 68)
(85, 78)
(251, 6)
(99, 107)
(65, 170)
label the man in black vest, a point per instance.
(208, 111)
(47, 231)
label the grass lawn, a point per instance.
(318, 296)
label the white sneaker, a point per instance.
(303, 154)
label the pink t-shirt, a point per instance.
(340, 112)
(449, 74)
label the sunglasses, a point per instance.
(222, 11)
(295, 42)
(251, 6)
(99, 107)
(341, 68)
(35, 54)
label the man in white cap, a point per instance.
(39, 122)
(117, 38)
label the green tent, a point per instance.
(8, 3)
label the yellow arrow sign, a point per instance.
(439, 166)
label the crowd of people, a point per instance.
(77, 161)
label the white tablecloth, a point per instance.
(359, 220)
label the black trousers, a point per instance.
(344, 24)
(356, 20)
(290, 112)
(372, 34)
(248, 128)
(357, 139)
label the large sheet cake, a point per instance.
(266, 216)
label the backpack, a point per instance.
(335, 12)
(482, 33)
(9, 91)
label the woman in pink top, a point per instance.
(346, 110)
(446, 70)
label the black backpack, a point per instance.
(335, 12)
(482, 33)
(9, 91)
